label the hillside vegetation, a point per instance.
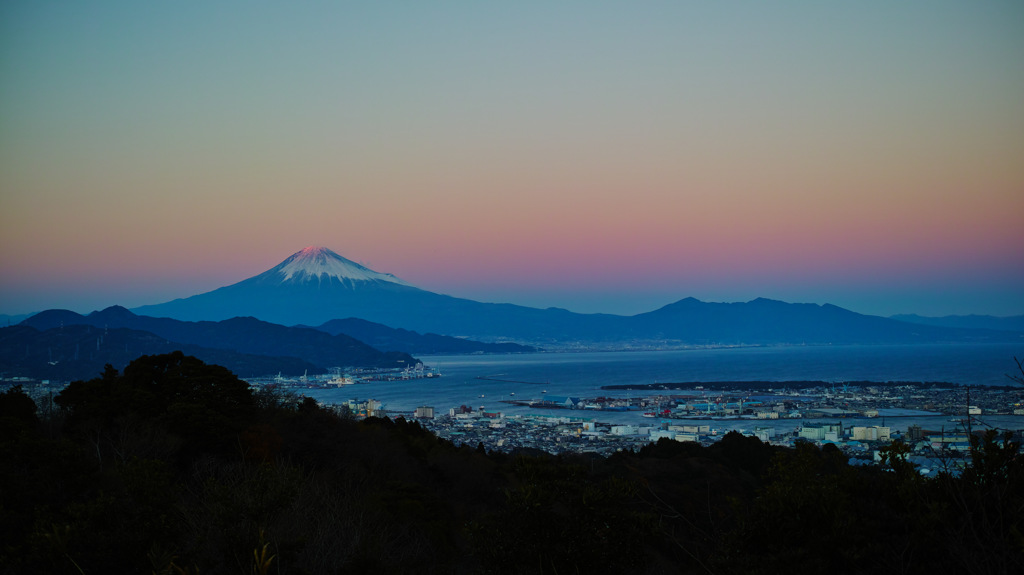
(176, 466)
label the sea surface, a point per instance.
(487, 380)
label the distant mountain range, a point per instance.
(1012, 323)
(387, 338)
(293, 349)
(61, 344)
(81, 351)
(7, 320)
(316, 285)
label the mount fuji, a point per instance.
(316, 285)
(315, 264)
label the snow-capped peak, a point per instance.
(315, 262)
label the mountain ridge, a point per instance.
(973, 321)
(241, 334)
(80, 351)
(315, 262)
(400, 305)
(387, 338)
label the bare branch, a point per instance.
(1017, 378)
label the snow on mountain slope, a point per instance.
(310, 287)
(313, 263)
(316, 285)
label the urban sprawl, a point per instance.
(934, 419)
(851, 416)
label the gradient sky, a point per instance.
(596, 156)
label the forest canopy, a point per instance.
(176, 466)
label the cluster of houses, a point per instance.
(932, 451)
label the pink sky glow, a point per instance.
(597, 158)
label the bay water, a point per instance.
(489, 380)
